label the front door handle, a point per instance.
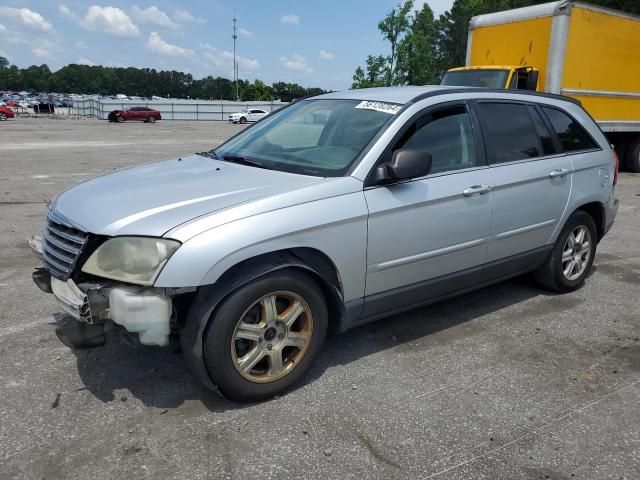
(476, 190)
(560, 172)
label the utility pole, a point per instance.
(235, 64)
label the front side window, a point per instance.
(572, 136)
(312, 137)
(509, 132)
(446, 135)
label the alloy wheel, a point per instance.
(576, 253)
(272, 337)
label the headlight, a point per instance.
(131, 259)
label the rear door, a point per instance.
(427, 228)
(532, 177)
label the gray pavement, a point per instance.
(509, 382)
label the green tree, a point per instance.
(376, 74)
(393, 27)
(417, 56)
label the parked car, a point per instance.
(251, 115)
(5, 112)
(395, 198)
(145, 114)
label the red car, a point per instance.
(5, 113)
(144, 114)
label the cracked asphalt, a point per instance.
(508, 382)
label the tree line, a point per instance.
(422, 48)
(144, 82)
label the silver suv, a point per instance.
(330, 213)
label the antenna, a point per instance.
(235, 64)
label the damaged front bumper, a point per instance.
(146, 311)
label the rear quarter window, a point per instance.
(572, 135)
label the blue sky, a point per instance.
(312, 42)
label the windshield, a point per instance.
(312, 137)
(476, 78)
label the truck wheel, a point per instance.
(266, 335)
(632, 158)
(572, 255)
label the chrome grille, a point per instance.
(62, 245)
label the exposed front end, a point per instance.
(68, 253)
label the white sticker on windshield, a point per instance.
(390, 108)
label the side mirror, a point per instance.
(532, 80)
(405, 163)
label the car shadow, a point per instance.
(159, 377)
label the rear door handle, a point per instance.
(560, 172)
(476, 190)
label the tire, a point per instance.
(152, 120)
(119, 119)
(3, 116)
(632, 158)
(243, 342)
(243, 120)
(552, 274)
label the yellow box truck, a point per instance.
(570, 48)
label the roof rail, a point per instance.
(435, 93)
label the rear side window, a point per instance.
(572, 136)
(510, 132)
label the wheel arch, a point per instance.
(209, 297)
(596, 211)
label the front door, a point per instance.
(435, 227)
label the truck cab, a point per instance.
(492, 76)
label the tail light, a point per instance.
(616, 162)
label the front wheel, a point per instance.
(243, 120)
(571, 258)
(266, 335)
(119, 119)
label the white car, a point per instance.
(249, 115)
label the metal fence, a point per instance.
(171, 109)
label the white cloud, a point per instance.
(80, 45)
(110, 20)
(223, 59)
(183, 16)
(67, 13)
(326, 55)
(291, 19)
(296, 62)
(3, 29)
(245, 33)
(157, 45)
(152, 16)
(26, 17)
(42, 53)
(85, 61)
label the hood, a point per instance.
(152, 199)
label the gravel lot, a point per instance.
(507, 382)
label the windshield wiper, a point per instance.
(243, 161)
(210, 154)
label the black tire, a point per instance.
(551, 273)
(220, 350)
(152, 119)
(632, 158)
(243, 120)
(119, 119)
(3, 116)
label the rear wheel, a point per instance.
(119, 119)
(3, 116)
(266, 335)
(572, 256)
(152, 120)
(632, 158)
